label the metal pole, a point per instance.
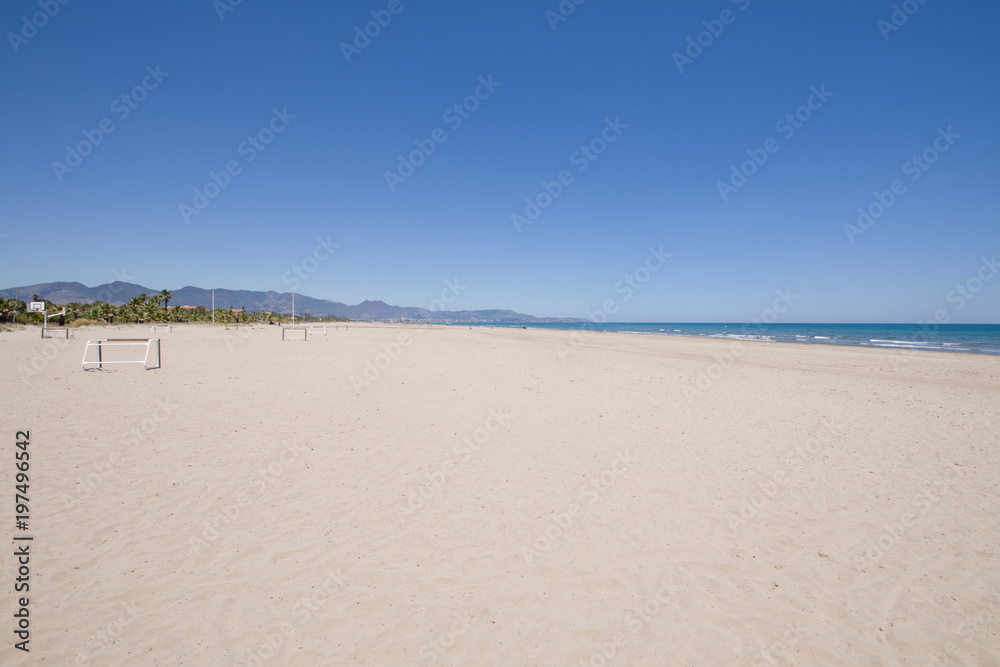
(293, 309)
(213, 306)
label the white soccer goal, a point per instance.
(50, 332)
(292, 333)
(152, 346)
(233, 325)
(160, 328)
(316, 328)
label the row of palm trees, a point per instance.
(144, 309)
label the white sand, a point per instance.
(867, 482)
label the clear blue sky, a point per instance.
(323, 175)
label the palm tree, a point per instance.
(165, 296)
(134, 307)
(7, 308)
(150, 310)
(104, 311)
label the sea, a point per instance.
(961, 338)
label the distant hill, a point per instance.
(278, 302)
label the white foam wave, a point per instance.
(743, 337)
(907, 346)
(908, 343)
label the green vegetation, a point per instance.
(145, 309)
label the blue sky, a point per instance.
(555, 85)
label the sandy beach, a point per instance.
(454, 496)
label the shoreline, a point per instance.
(899, 345)
(889, 349)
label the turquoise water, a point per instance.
(968, 338)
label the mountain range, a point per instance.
(278, 302)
